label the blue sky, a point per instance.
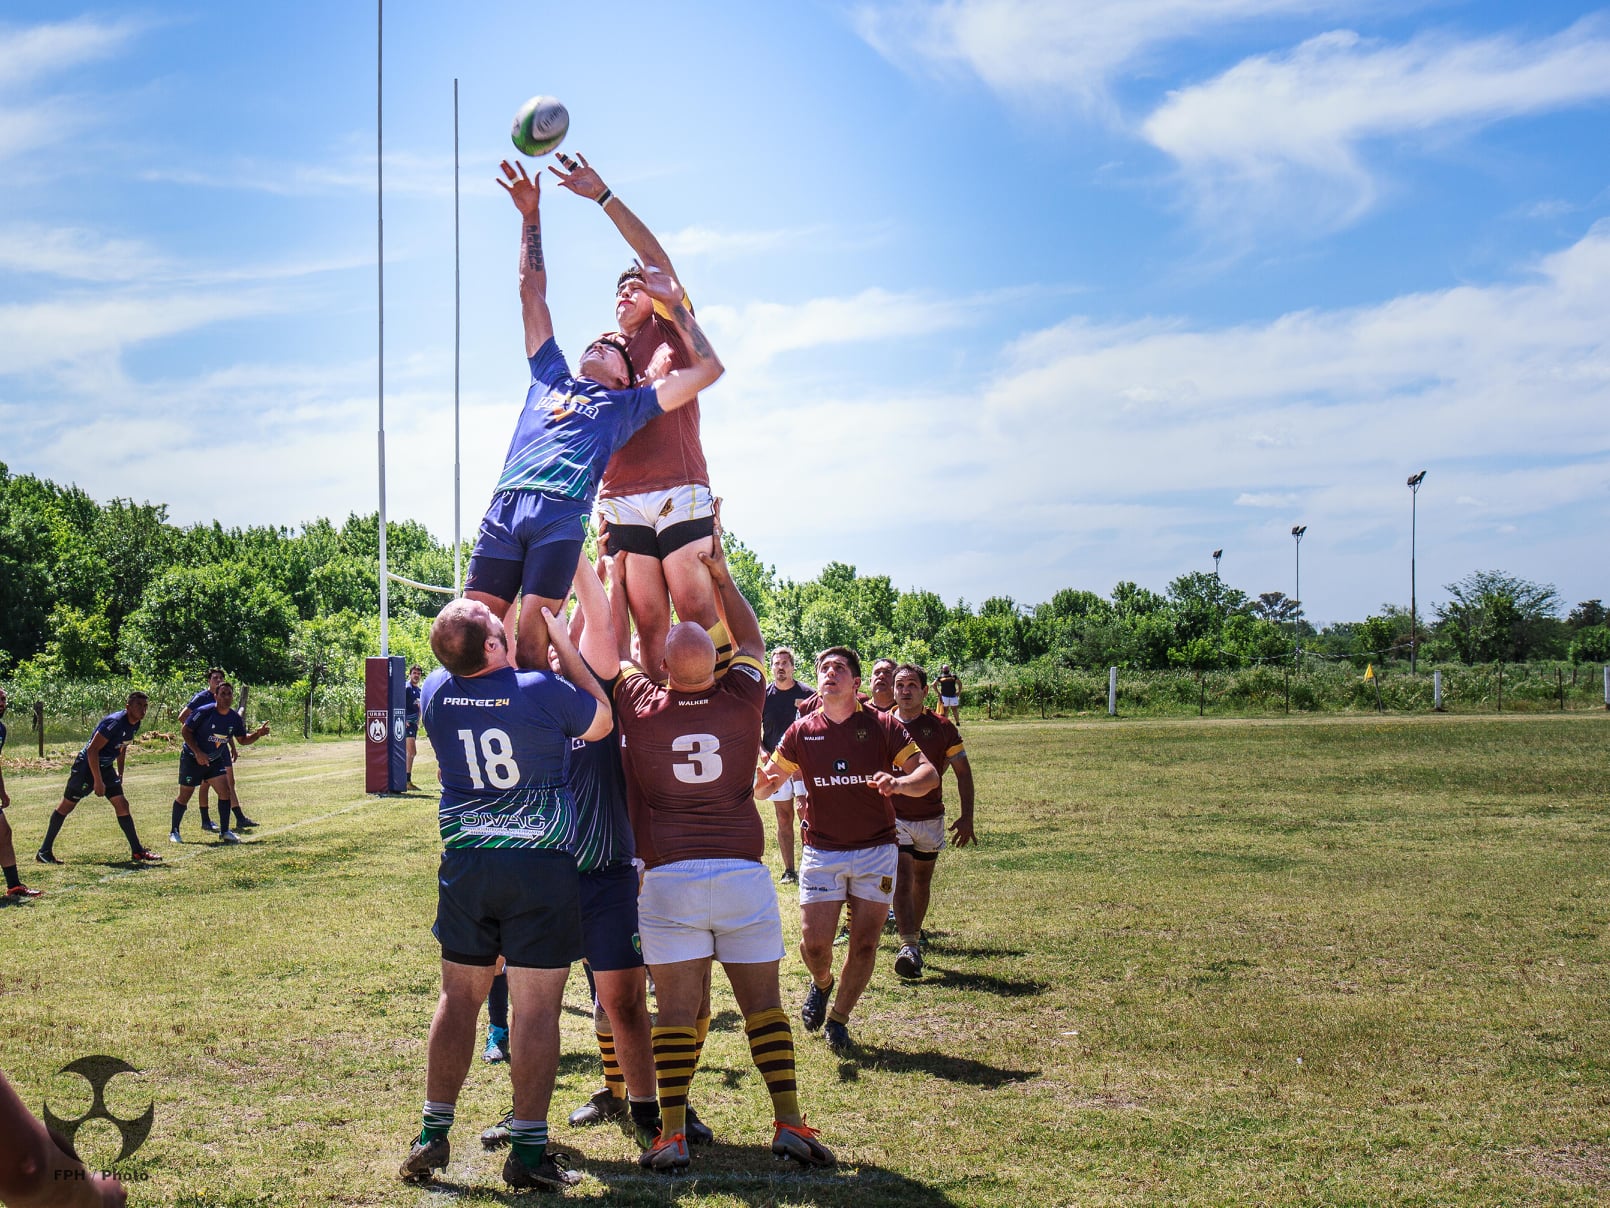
(1014, 295)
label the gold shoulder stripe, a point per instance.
(958, 749)
(783, 764)
(906, 753)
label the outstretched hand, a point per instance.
(579, 176)
(525, 192)
(661, 286)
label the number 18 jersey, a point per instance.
(502, 743)
(693, 757)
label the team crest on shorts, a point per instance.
(886, 885)
(637, 943)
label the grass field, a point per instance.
(1339, 961)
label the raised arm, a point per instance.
(582, 179)
(742, 623)
(573, 669)
(682, 386)
(527, 197)
(597, 646)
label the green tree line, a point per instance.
(90, 591)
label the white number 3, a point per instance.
(704, 758)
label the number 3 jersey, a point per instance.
(502, 744)
(693, 755)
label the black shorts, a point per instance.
(609, 918)
(522, 905)
(192, 774)
(411, 729)
(641, 539)
(81, 784)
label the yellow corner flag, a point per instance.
(1369, 672)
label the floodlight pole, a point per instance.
(458, 545)
(380, 277)
(1217, 554)
(1297, 600)
(1414, 616)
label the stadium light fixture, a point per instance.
(1217, 554)
(1297, 532)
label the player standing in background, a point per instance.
(783, 695)
(950, 695)
(99, 770)
(411, 721)
(15, 889)
(507, 881)
(882, 698)
(844, 751)
(209, 738)
(920, 821)
(655, 495)
(569, 426)
(706, 892)
(215, 676)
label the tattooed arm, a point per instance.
(681, 386)
(526, 195)
(582, 178)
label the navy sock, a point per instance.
(12, 879)
(497, 1002)
(178, 814)
(223, 813)
(126, 822)
(52, 830)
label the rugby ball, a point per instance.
(540, 125)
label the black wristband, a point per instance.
(607, 197)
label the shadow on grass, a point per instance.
(935, 1065)
(985, 983)
(746, 1175)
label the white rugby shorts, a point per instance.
(700, 908)
(833, 876)
(659, 510)
(925, 835)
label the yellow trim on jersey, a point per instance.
(664, 313)
(627, 671)
(783, 765)
(906, 753)
(958, 749)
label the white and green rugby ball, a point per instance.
(540, 126)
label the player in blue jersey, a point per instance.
(15, 889)
(411, 721)
(507, 882)
(567, 430)
(208, 757)
(215, 676)
(99, 770)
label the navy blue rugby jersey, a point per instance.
(119, 732)
(502, 744)
(213, 729)
(569, 428)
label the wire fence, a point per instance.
(1310, 687)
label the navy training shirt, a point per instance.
(118, 730)
(502, 744)
(213, 729)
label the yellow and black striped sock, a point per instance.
(771, 1044)
(724, 647)
(701, 1029)
(614, 1080)
(675, 1057)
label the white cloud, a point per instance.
(708, 241)
(1285, 133)
(76, 254)
(1265, 499)
(406, 173)
(30, 53)
(1028, 49)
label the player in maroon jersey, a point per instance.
(882, 698)
(844, 751)
(693, 744)
(920, 821)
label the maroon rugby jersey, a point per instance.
(692, 756)
(940, 742)
(666, 451)
(813, 702)
(837, 760)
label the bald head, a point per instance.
(690, 656)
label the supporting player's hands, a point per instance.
(661, 286)
(579, 176)
(716, 563)
(961, 831)
(525, 192)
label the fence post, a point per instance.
(1112, 690)
(1559, 682)
(245, 700)
(1607, 686)
(1436, 691)
(1500, 687)
(1288, 689)
(1201, 695)
(39, 715)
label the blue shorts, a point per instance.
(528, 543)
(609, 937)
(517, 903)
(411, 729)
